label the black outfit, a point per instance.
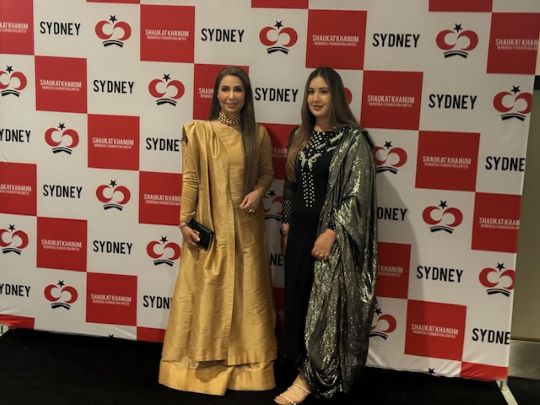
(302, 206)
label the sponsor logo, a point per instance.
(383, 325)
(113, 196)
(442, 217)
(113, 32)
(513, 104)
(278, 38)
(113, 86)
(12, 82)
(13, 240)
(389, 158)
(165, 90)
(160, 144)
(273, 208)
(62, 191)
(498, 280)
(17, 27)
(163, 252)
(280, 95)
(62, 139)
(61, 295)
(457, 42)
(452, 101)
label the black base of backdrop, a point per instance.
(50, 368)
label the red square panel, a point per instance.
(150, 334)
(279, 135)
(513, 43)
(167, 33)
(17, 27)
(61, 84)
(435, 330)
(159, 198)
(61, 243)
(496, 222)
(113, 142)
(447, 160)
(18, 188)
(483, 371)
(336, 38)
(111, 299)
(393, 270)
(391, 99)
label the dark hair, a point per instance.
(340, 114)
(248, 124)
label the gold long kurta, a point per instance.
(220, 333)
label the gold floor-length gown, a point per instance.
(220, 333)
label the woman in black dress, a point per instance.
(329, 231)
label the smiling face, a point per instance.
(319, 98)
(231, 95)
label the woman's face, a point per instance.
(319, 98)
(231, 95)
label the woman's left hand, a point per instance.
(251, 201)
(323, 245)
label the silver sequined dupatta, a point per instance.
(342, 297)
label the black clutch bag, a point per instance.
(206, 235)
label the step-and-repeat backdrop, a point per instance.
(92, 98)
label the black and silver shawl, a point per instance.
(342, 299)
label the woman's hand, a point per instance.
(189, 235)
(284, 231)
(323, 245)
(251, 201)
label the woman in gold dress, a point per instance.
(220, 333)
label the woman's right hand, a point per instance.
(189, 235)
(284, 231)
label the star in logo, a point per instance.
(278, 24)
(515, 89)
(500, 266)
(443, 204)
(61, 125)
(163, 239)
(9, 69)
(271, 193)
(166, 77)
(457, 27)
(378, 311)
(387, 145)
(431, 371)
(11, 227)
(61, 283)
(113, 183)
(113, 19)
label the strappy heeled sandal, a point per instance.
(294, 395)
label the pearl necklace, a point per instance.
(231, 122)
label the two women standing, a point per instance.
(221, 325)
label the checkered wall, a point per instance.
(92, 98)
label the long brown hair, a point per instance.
(247, 123)
(340, 114)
